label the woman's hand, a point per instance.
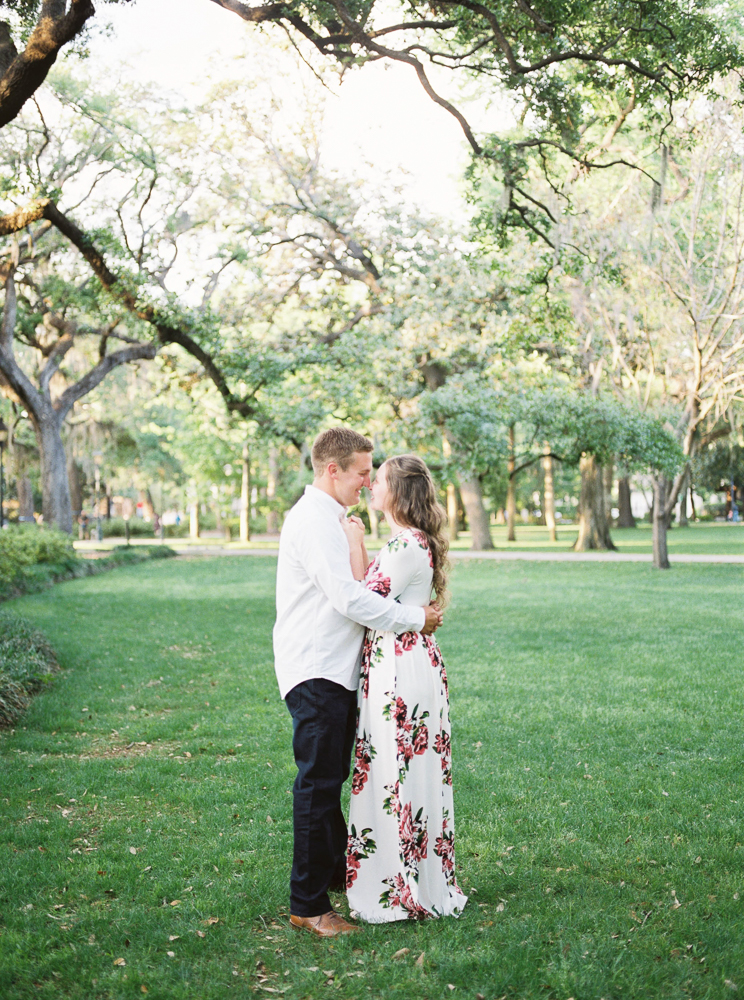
(354, 530)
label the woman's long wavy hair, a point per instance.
(414, 504)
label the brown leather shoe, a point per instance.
(326, 925)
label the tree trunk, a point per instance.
(593, 530)
(660, 523)
(272, 517)
(511, 497)
(245, 496)
(194, 530)
(147, 505)
(452, 519)
(472, 497)
(625, 517)
(548, 494)
(607, 480)
(25, 499)
(76, 488)
(682, 514)
(55, 488)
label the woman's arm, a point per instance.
(354, 531)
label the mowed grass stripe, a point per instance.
(598, 748)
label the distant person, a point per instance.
(401, 852)
(321, 615)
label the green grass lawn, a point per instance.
(598, 733)
(706, 538)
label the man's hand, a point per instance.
(434, 619)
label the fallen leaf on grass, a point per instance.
(92, 939)
(143, 988)
(201, 934)
(210, 921)
(401, 953)
(731, 984)
(119, 961)
(173, 937)
(420, 960)
(176, 902)
(171, 954)
(450, 986)
(500, 908)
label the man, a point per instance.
(322, 612)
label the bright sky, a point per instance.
(380, 115)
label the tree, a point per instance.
(52, 333)
(584, 431)
(283, 276)
(663, 312)
(575, 74)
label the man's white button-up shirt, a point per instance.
(321, 610)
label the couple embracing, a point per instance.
(361, 672)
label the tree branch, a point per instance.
(26, 72)
(97, 374)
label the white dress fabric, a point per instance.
(401, 854)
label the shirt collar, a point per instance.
(326, 500)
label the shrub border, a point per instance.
(43, 575)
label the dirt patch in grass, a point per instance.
(137, 748)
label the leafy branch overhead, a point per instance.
(573, 73)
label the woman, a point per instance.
(401, 860)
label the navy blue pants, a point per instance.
(324, 721)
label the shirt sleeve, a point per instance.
(324, 556)
(405, 560)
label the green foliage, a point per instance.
(478, 414)
(24, 547)
(713, 468)
(27, 662)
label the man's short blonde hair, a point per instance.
(337, 444)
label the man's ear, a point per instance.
(332, 470)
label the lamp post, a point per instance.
(98, 458)
(3, 442)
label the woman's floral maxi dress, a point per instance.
(401, 854)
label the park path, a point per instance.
(504, 555)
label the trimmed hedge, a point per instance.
(116, 528)
(27, 663)
(25, 548)
(32, 559)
